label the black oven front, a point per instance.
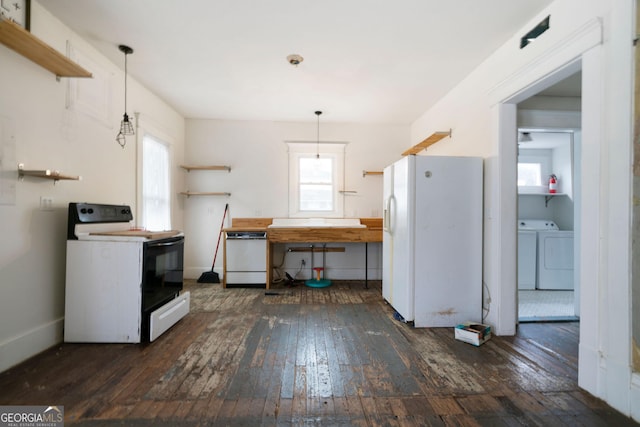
(162, 275)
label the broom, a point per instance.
(212, 276)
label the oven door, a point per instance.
(162, 272)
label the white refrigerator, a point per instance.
(432, 239)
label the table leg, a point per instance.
(366, 265)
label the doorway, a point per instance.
(548, 183)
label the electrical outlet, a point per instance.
(46, 203)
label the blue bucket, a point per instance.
(322, 283)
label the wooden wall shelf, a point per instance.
(206, 168)
(46, 174)
(26, 44)
(365, 173)
(203, 193)
(432, 139)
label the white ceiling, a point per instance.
(372, 61)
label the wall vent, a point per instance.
(535, 33)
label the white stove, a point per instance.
(123, 284)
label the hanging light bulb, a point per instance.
(318, 140)
(126, 126)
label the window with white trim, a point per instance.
(529, 174)
(534, 165)
(156, 203)
(315, 182)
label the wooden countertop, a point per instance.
(371, 233)
(320, 234)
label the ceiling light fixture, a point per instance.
(295, 59)
(126, 127)
(318, 140)
(524, 137)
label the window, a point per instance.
(529, 174)
(314, 183)
(156, 207)
(534, 166)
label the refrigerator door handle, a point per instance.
(386, 222)
(385, 216)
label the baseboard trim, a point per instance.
(20, 348)
(635, 396)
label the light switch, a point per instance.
(46, 203)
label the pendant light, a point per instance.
(126, 127)
(318, 140)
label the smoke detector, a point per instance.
(295, 59)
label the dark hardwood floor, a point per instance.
(302, 356)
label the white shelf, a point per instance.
(547, 196)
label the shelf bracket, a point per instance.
(546, 200)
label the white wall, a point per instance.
(47, 135)
(596, 35)
(258, 181)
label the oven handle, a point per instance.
(159, 244)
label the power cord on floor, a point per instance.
(486, 302)
(278, 272)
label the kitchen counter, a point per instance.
(369, 231)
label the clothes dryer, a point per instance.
(555, 260)
(548, 251)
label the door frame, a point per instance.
(581, 50)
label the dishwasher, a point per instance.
(245, 259)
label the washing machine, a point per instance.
(527, 253)
(555, 259)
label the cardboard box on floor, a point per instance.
(473, 333)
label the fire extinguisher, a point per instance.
(553, 183)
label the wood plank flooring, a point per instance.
(323, 357)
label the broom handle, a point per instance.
(224, 215)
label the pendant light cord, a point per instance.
(318, 134)
(126, 127)
(125, 83)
